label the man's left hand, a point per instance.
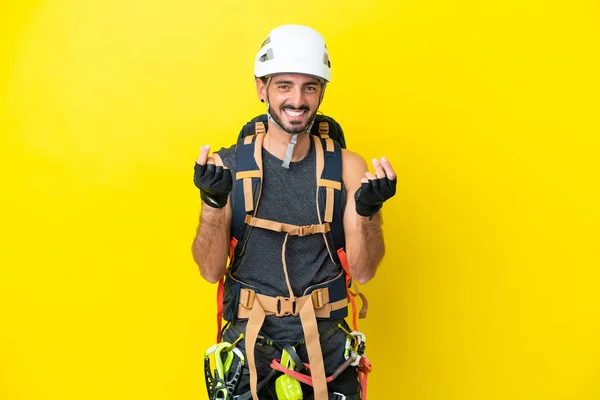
(376, 188)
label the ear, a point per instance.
(261, 90)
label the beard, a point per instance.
(292, 127)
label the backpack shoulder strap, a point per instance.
(329, 193)
(248, 184)
(252, 127)
(325, 126)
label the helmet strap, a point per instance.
(289, 152)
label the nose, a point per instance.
(296, 97)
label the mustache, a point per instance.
(303, 107)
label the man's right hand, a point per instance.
(214, 181)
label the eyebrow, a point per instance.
(284, 82)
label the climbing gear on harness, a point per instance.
(214, 183)
(354, 354)
(355, 350)
(223, 383)
(370, 196)
(287, 387)
(293, 49)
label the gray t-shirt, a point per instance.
(288, 195)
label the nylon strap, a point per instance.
(220, 290)
(283, 306)
(344, 260)
(323, 129)
(320, 165)
(293, 230)
(257, 317)
(313, 348)
(259, 128)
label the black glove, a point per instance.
(214, 183)
(370, 196)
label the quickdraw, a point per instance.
(222, 383)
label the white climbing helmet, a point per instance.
(293, 49)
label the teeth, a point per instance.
(294, 113)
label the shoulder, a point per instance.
(227, 156)
(352, 160)
(354, 167)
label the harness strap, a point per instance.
(283, 306)
(257, 317)
(313, 348)
(311, 334)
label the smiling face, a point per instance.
(293, 99)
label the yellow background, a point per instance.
(488, 111)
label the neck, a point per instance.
(276, 142)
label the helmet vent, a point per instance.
(266, 42)
(267, 56)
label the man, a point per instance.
(278, 263)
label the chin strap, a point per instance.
(289, 151)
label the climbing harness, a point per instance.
(327, 301)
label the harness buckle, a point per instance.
(247, 298)
(317, 299)
(306, 230)
(285, 306)
(338, 396)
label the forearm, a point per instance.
(366, 248)
(211, 244)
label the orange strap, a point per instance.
(344, 261)
(221, 288)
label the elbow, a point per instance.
(209, 274)
(209, 277)
(364, 277)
